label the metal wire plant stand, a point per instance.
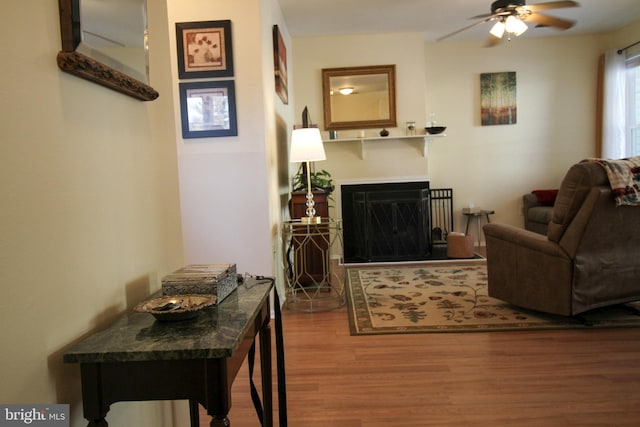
(313, 284)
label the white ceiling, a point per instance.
(436, 18)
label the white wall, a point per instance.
(90, 216)
(489, 166)
(279, 120)
(229, 186)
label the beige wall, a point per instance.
(90, 217)
(389, 158)
(493, 166)
(405, 50)
(487, 166)
(625, 37)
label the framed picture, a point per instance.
(280, 65)
(498, 98)
(204, 49)
(208, 109)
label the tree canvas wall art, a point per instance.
(498, 104)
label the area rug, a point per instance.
(452, 298)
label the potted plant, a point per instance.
(320, 180)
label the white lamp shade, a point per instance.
(306, 145)
(515, 25)
(498, 29)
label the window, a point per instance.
(633, 105)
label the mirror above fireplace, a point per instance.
(359, 97)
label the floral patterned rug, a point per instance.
(452, 298)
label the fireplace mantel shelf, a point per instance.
(425, 139)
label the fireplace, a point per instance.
(388, 221)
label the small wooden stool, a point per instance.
(460, 246)
(476, 214)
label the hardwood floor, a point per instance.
(535, 378)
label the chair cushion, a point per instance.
(541, 214)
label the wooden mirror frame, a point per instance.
(85, 67)
(331, 124)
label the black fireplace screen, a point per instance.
(394, 221)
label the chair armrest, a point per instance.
(529, 200)
(524, 239)
(527, 269)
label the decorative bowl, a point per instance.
(435, 130)
(176, 307)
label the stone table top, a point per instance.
(216, 333)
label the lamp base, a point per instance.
(311, 219)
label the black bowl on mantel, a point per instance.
(435, 130)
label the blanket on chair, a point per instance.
(624, 177)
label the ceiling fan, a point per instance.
(511, 17)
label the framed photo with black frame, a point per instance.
(205, 49)
(208, 109)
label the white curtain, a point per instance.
(614, 106)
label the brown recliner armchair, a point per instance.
(590, 257)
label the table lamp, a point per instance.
(306, 146)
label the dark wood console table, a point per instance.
(139, 358)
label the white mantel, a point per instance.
(382, 180)
(422, 139)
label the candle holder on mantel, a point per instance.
(410, 128)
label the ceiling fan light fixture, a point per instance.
(346, 90)
(498, 29)
(511, 17)
(515, 26)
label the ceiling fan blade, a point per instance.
(493, 41)
(482, 15)
(551, 5)
(475, 24)
(493, 14)
(543, 20)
